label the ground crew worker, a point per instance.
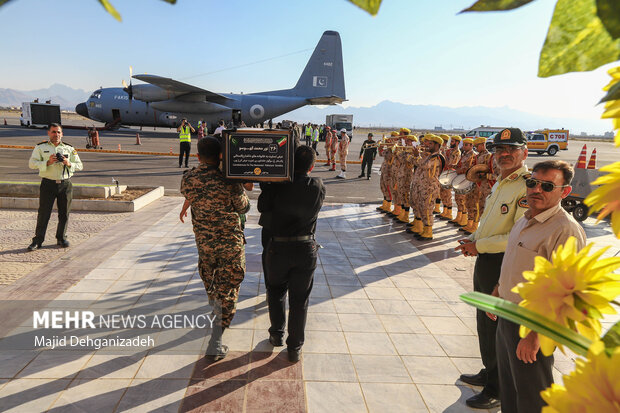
(468, 158)
(453, 156)
(216, 205)
(368, 153)
(185, 140)
(476, 198)
(506, 204)
(428, 168)
(308, 133)
(328, 144)
(315, 138)
(343, 150)
(56, 162)
(384, 178)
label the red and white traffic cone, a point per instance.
(592, 163)
(581, 162)
(138, 139)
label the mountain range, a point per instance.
(385, 113)
(65, 96)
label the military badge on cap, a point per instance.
(504, 209)
(505, 134)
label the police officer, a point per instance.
(56, 162)
(216, 207)
(368, 153)
(507, 203)
(185, 140)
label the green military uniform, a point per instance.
(216, 205)
(55, 186)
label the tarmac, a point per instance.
(386, 330)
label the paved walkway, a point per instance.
(386, 330)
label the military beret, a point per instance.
(468, 140)
(480, 140)
(434, 138)
(405, 130)
(456, 138)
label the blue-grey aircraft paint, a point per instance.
(164, 102)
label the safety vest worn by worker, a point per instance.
(315, 135)
(184, 135)
(308, 131)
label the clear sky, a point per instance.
(414, 51)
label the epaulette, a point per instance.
(526, 176)
(68, 144)
(41, 143)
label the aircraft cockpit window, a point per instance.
(96, 94)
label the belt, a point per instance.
(291, 239)
(56, 181)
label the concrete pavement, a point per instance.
(386, 330)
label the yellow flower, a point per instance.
(612, 107)
(573, 290)
(594, 385)
(607, 196)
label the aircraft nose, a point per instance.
(81, 109)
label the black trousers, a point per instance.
(50, 191)
(289, 267)
(367, 163)
(184, 148)
(486, 276)
(308, 139)
(520, 383)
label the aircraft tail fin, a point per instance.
(322, 81)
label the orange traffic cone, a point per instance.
(581, 162)
(138, 139)
(592, 163)
(119, 147)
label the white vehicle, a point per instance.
(338, 122)
(39, 115)
(483, 131)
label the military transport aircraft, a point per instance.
(164, 101)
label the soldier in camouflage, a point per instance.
(468, 159)
(384, 180)
(429, 165)
(483, 188)
(453, 156)
(216, 205)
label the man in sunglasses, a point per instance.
(523, 371)
(505, 205)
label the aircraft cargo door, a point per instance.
(116, 115)
(236, 117)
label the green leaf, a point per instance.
(577, 40)
(528, 318)
(609, 13)
(496, 5)
(3, 2)
(612, 338)
(371, 6)
(110, 9)
(171, 1)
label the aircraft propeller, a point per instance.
(129, 89)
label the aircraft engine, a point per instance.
(152, 93)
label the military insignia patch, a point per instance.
(505, 134)
(504, 209)
(523, 203)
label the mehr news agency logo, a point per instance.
(87, 320)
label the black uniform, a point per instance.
(368, 156)
(289, 212)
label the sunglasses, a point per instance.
(544, 185)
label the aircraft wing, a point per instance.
(177, 87)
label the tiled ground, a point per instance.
(385, 331)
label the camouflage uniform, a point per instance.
(343, 150)
(453, 156)
(486, 158)
(384, 181)
(396, 178)
(328, 146)
(426, 190)
(409, 163)
(215, 206)
(467, 161)
(332, 150)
